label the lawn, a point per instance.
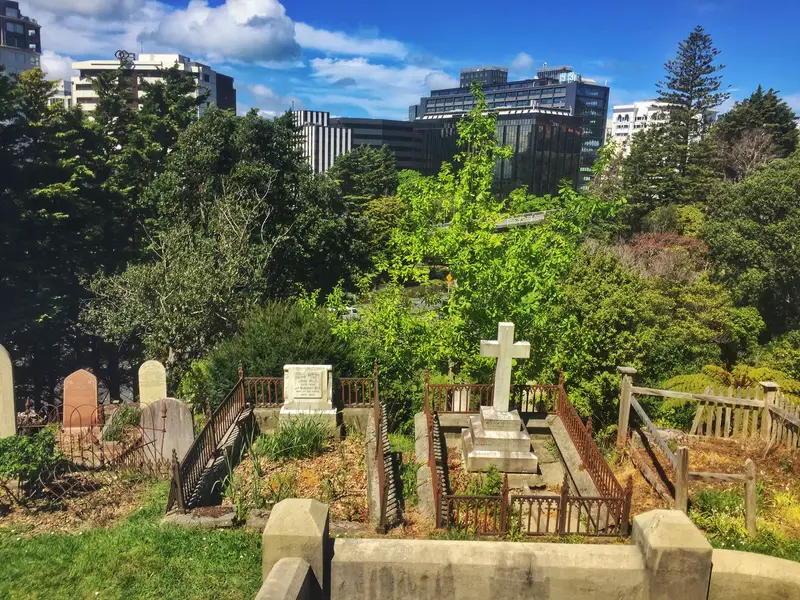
(137, 558)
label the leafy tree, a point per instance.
(761, 111)
(366, 172)
(751, 230)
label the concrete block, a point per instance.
(506, 462)
(356, 418)
(297, 528)
(676, 555)
(421, 438)
(290, 579)
(747, 576)
(500, 421)
(257, 519)
(267, 418)
(425, 505)
(504, 440)
(327, 416)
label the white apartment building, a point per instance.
(321, 142)
(147, 68)
(628, 119)
(62, 94)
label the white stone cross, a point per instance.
(504, 349)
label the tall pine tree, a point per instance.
(762, 110)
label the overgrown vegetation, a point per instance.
(26, 462)
(304, 436)
(125, 416)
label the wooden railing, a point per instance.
(186, 475)
(469, 397)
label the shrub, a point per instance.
(272, 336)
(126, 416)
(301, 437)
(408, 477)
(26, 457)
(486, 484)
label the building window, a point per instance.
(206, 77)
(14, 27)
(31, 33)
(12, 12)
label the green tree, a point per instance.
(751, 230)
(366, 172)
(761, 110)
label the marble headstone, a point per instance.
(8, 414)
(165, 431)
(308, 389)
(80, 400)
(152, 382)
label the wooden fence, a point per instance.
(739, 413)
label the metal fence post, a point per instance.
(624, 405)
(562, 506)
(750, 496)
(682, 479)
(504, 505)
(626, 510)
(176, 478)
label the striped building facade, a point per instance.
(322, 143)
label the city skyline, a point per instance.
(362, 59)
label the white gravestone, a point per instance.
(152, 382)
(166, 430)
(308, 390)
(496, 436)
(8, 412)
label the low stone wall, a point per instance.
(353, 418)
(669, 559)
(290, 579)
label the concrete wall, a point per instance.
(290, 579)
(353, 418)
(670, 559)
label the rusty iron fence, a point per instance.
(470, 397)
(264, 392)
(187, 474)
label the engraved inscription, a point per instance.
(308, 384)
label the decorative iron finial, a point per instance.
(125, 59)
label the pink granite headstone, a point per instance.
(80, 400)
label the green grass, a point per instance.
(138, 558)
(401, 443)
(301, 437)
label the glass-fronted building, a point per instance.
(556, 87)
(486, 75)
(546, 144)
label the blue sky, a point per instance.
(374, 58)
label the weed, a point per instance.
(301, 437)
(786, 465)
(401, 443)
(711, 502)
(281, 486)
(125, 416)
(486, 484)
(408, 477)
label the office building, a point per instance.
(546, 143)
(554, 87)
(148, 67)
(486, 75)
(62, 94)
(324, 139)
(629, 119)
(20, 39)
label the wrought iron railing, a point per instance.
(187, 474)
(469, 397)
(264, 392)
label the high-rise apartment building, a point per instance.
(20, 39)
(62, 94)
(148, 67)
(320, 142)
(629, 119)
(554, 87)
(486, 75)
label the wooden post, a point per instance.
(750, 496)
(682, 479)
(624, 405)
(770, 395)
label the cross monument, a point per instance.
(504, 349)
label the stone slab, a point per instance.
(327, 416)
(224, 520)
(506, 462)
(290, 579)
(518, 481)
(500, 421)
(308, 387)
(257, 519)
(80, 400)
(167, 425)
(152, 382)
(501, 440)
(8, 411)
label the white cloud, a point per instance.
(438, 80)
(271, 104)
(380, 90)
(793, 100)
(338, 42)
(523, 64)
(239, 30)
(99, 9)
(57, 66)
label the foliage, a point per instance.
(783, 353)
(741, 375)
(401, 443)
(272, 335)
(135, 558)
(408, 478)
(489, 483)
(761, 110)
(751, 230)
(125, 416)
(26, 458)
(301, 437)
(366, 172)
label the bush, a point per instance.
(301, 437)
(126, 416)
(272, 336)
(26, 457)
(486, 484)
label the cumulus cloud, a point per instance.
(56, 66)
(99, 9)
(240, 30)
(270, 104)
(523, 65)
(344, 82)
(381, 90)
(439, 80)
(338, 42)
